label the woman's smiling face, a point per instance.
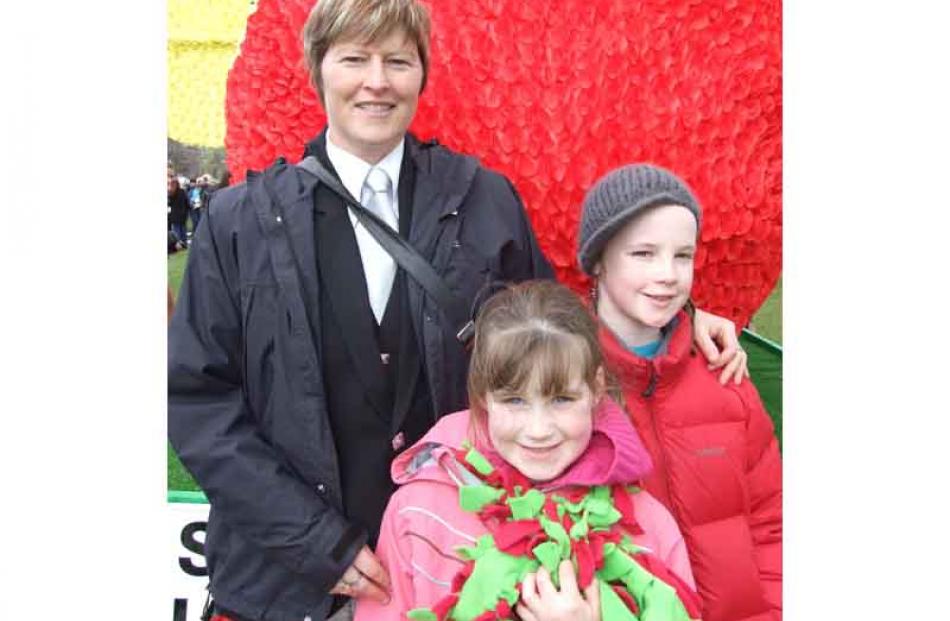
(370, 93)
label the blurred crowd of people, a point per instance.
(187, 200)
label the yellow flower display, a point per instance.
(204, 37)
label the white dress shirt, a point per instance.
(352, 171)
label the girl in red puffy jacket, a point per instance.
(717, 464)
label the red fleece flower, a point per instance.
(461, 576)
(517, 537)
(554, 95)
(585, 562)
(444, 605)
(627, 598)
(514, 544)
(624, 504)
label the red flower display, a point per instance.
(555, 94)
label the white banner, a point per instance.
(188, 522)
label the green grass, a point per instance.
(766, 322)
(176, 269)
(178, 477)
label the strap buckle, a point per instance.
(466, 333)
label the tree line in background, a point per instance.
(193, 161)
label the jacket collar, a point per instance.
(635, 372)
(283, 197)
(616, 453)
(440, 174)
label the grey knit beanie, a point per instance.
(617, 197)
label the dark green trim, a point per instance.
(761, 340)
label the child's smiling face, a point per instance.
(542, 435)
(646, 272)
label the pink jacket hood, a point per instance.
(615, 453)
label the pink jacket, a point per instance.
(423, 523)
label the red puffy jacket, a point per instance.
(717, 469)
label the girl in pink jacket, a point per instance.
(526, 506)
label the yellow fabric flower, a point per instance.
(204, 37)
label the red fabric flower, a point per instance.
(445, 605)
(515, 537)
(554, 96)
(624, 595)
(461, 576)
(585, 562)
(624, 504)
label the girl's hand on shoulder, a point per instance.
(541, 601)
(710, 332)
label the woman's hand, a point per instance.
(708, 330)
(366, 577)
(541, 601)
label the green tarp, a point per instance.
(765, 365)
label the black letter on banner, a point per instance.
(181, 609)
(192, 545)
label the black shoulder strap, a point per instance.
(402, 252)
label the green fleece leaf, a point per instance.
(482, 545)
(473, 498)
(612, 607)
(555, 531)
(658, 601)
(421, 614)
(549, 553)
(605, 518)
(478, 461)
(597, 506)
(494, 577)
(527, 506)
(616, 563)
(580, 528)
(600, 507)
(628, 546)
(511, 593)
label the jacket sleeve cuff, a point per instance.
(326, 563)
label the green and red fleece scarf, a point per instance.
(591, 526)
